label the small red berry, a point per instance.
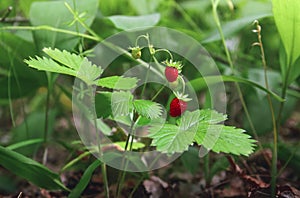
(177, 107)
(171, 73)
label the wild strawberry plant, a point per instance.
(202, 127)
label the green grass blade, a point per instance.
(85, 179)
(202, 83)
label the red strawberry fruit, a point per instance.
(179, 104)
(171, 73)
(172, 70)
(177, 107)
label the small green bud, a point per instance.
(136, 52)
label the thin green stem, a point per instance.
(165, 50)
(217, 20)
(275, 133)
(122, 174)
(103, 165)
(147, 76)
(142, 36)
(52, 29)
(47, 106)
(12, 117)
(187, 17)
(206, 169)
(77, 18)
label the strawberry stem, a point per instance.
(165, 50)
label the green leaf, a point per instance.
(30, 170)
(103, 104)
(226, 139)
(121, 103)
(190, 160)
(24, 143)
(171, 138)
(117, 82)
(135, 145)
(46, 64)
(235, 26)
(202, 83)
(72, 64)
(287, 19)
(211, 116)
(89, 72)
(85, 179)
(75, 160)
(145, 6)
(21, 80)
(64, 57)
(132, 22)
(147, 108)
(56, 14)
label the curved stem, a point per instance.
(217, 20)
(165, 50)
(275, 133)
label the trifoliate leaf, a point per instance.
(117, 82)
(147, 108)
(171, 138)
(226, 139)
(121, 103)
(64, 57)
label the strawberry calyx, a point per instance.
(136, 52)
(176, 64)
(181, 96)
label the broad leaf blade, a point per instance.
(117, 82)
(132, 22)
(121, 103)
(30, 170)
(226, 139)
(171, 138)
(211, 116)
(287, 19)
(56, 14)
(147, 108)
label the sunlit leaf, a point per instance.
(117, 82)
(147, 108)
(131, 22)
(226, 139)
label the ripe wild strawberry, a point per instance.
(171, 73)
(178, 105)
(172, 70)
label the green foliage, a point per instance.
(56, 14)
(172, 138)
(201, 127)
(85, 179)
(226, 139)
(132, 22)
(287, 19)
(30, 170)
(147, 108)
(121, 103)
(117, 82)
